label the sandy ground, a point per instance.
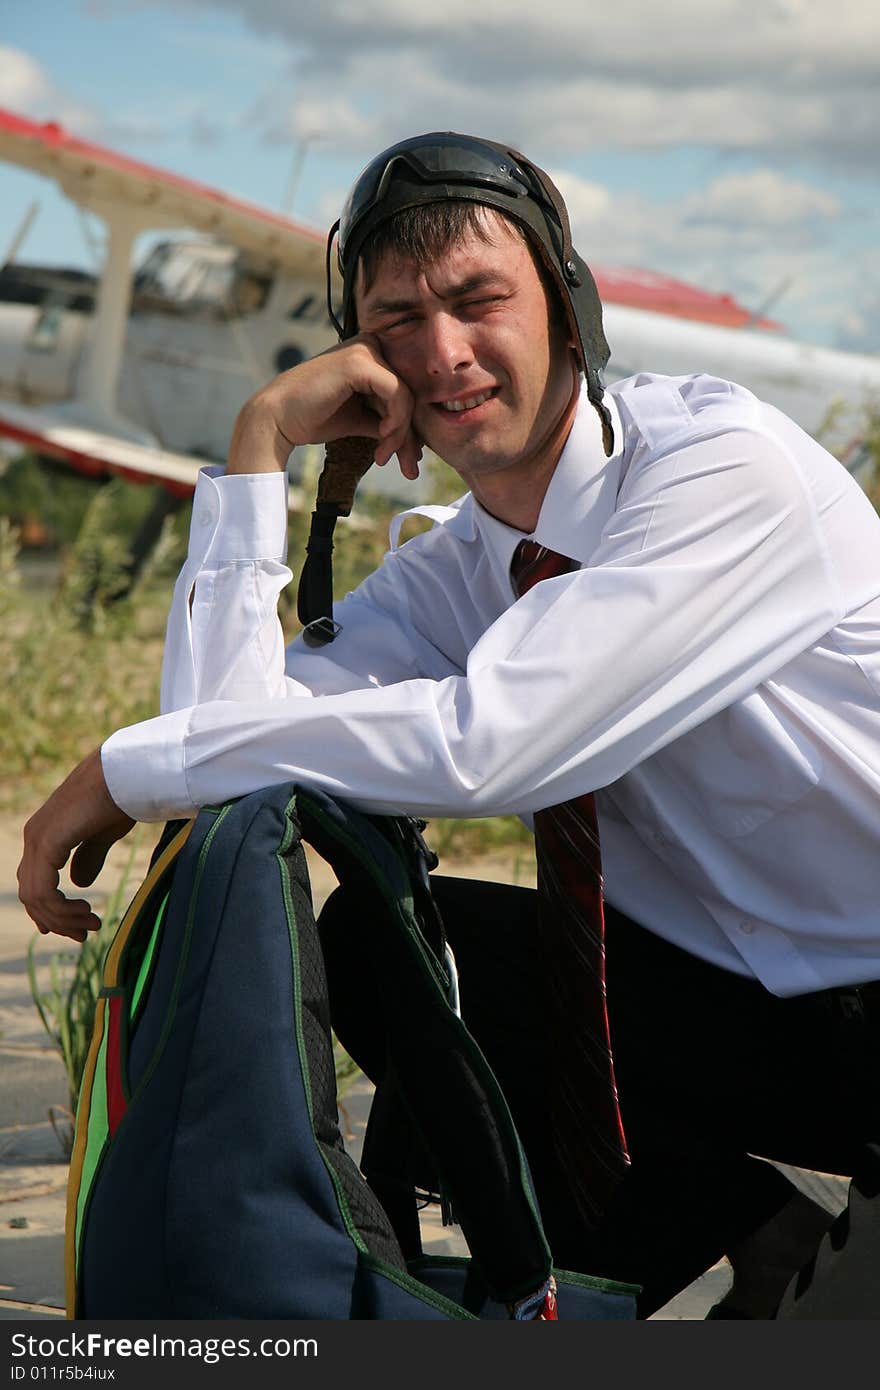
(33, 1100)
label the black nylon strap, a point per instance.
(443, 1082)
(314, 600)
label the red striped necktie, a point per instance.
(587, 1128)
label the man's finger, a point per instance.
(53, 912)
(87, 862)
(409, 456)
(88, 858)
(393, 403)
(71, 933)
(403, 442)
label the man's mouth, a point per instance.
(462, 404)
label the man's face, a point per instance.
(474, 339)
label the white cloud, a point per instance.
(588, 203)
(26, 88)
(788, 77)
(764, 242)
(759, 197)
(23, 84)
(694, 38)
(315, 116)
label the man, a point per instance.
(708, 664)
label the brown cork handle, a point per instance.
(345, 463)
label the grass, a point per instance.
(80, 663)
(77, 663)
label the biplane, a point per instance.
(142, 374)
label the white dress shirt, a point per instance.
(712, 670)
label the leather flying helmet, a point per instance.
(444, 166)
(441, 166)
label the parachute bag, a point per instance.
(209, 1178)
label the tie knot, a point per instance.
(532, 562)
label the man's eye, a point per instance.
(484, 302)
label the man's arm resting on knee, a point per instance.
(79, 818)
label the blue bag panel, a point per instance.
(121, 1266)
(579, 1298)
(214, 1199)
(253, 1222)
(389, 1296)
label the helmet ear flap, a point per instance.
(548, 270)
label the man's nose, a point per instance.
(447, 345)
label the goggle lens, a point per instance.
(470, 163)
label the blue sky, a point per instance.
(730, 144)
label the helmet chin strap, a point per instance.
(345, 463)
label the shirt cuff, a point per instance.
(144, 768)
(241, 517)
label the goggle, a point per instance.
(456, 161)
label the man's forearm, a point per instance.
(257, 444)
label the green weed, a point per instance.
(76, 664)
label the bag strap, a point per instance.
(447, 1087)
(345, 463)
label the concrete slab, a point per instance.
(33, 1186)
(32, 1255)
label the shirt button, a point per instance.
(746, 926)
(206, 516)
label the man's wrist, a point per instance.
(257, 444)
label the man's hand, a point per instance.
(347, 390)
(79, 816)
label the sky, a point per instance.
(731, 143)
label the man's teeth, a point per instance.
(465, 405)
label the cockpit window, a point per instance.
(181, 277)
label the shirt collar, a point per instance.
(579, 501)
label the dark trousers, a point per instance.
(712, 1069)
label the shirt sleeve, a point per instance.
(223, 640)
(711, 575)
(223, 637)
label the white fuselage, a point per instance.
(208, 326)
